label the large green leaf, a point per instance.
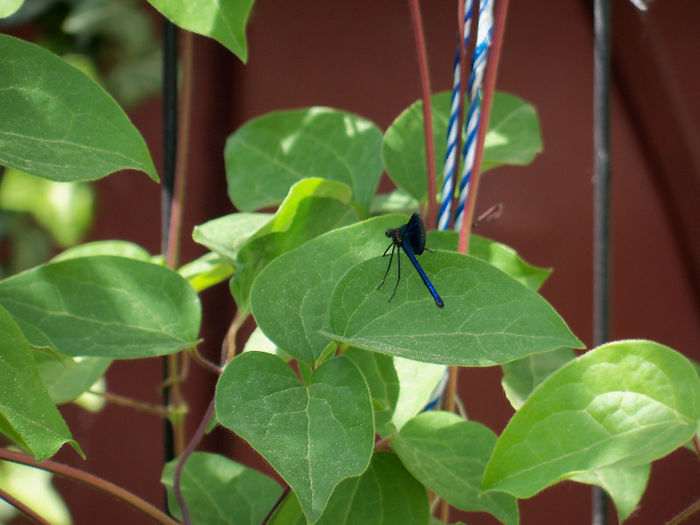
(488, 318)
(27, 414)
(620, 405)
(8, 7)
(222, 21)
(312, 207)
(499, 255)
(265, 156)
(448, 455)
(291, 296)
(314, 435)
(57, 123)
(384, 494)
(219, 491)
(104, 306)
(513, 137)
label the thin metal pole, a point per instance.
(601, 201)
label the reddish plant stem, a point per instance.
(501, 9)
(91, 480)
(422, 56)
(685, 514)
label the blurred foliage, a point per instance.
(37, 214)
(116, 36)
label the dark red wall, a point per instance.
(359, 56)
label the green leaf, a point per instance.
(228, 234)
(522, 376)
(208, 270)
(448, 455)
(291, 296)
(63, 209)
(513, 137)
(68, 377)
(258, 342)
(495, 253)
(312, 207)
(620, 405)
(624, 485)
(27, 415)
(220, 491)
(299, 429)
(488, 317)
(117, 248)
(60, 133)
(223, 21)
(104, 306)
(385, 494)
(267, 155)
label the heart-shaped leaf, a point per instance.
(300, 429)
(57, 123)
(488, 318)
(104, 306)
(384, 494)
(27, 414)
(622, 404)
(219, 491)
(68, 377)
(448, 455)
(223, 21)
(265, 156)
(290, 297)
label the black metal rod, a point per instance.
(601, 201)
(168, 183)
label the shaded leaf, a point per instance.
(68, 377)
(228, 234)
(28, 417)
(622, 404)
(488, 318)
(521, 377)
(448, 455)
(267, 155)
(57, 123)
(299, 428)
(104, 306)
(220, 491)
(513, 137)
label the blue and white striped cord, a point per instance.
(481, 51)
(450, 167)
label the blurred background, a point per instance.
(360, 57)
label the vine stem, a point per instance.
(91, 480)
(427, 110)
(499, 24)
(228, 350)
(685, 514)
